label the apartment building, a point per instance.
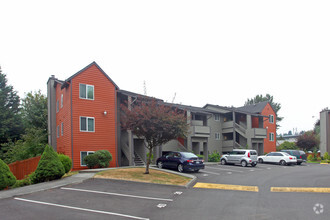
(325, 131)
(84, 116)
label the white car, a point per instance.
(281, 158)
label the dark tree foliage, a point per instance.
(307, 141)
(10, 119)
(154, 121)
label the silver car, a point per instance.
(238, 156)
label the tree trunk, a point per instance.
(148, 160)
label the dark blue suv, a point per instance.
(182, 161)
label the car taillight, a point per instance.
(290, 158)
(248, 154)
(190, 161)
(202, 161)
(300, 157)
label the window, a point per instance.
(62, 129)
(86, 91)
(271, 136)
(62, 101)
(271, 119)
(58, 131)
(217, 136)
(57, 106)
(83, 154)
(87, 124)
(217, 117)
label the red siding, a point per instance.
(269, 146)
(104, 136)
(64, 116)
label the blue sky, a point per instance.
(217, 52)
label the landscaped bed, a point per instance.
(137, 174)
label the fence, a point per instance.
(22, 168)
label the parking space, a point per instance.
(257, 191)
(95, 198)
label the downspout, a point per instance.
(116, 127)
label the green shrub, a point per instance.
(214, 157)
(100, 159)
(49, 167)
(319, 158)
(66, 161)
(7, 178)
(91, 161)
(310, 158)
(326, 156)
(24, 182)
(200, 156)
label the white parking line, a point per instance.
(209, 172)
(117, 194)
(82, 209)
(239, 171)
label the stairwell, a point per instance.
(137, 160)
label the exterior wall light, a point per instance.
(105, 112)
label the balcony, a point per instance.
(259, 133)
(200, 131)
(228, 127)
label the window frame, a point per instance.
(61, 100)
(81, 159)
(271, 136)
(271, 119)
(217, 136)
(58, 131)
(62, 128)
(86, 92)
(87, 130)
(57, 106)
(216, 117)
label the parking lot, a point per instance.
(113, 199)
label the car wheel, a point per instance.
(254, 164)
(223, 162)
(160, 164)
(260, 160)
(298, 163)
(282, 162)
(244, 163)
(180, 168)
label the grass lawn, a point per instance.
(137, 174)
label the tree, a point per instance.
(7, 178)
(34, 111)
(270, 99)
(308, 141)
(154, 121)
(10, 119)
(286, 145)
(49, 167)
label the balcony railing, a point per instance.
(201, 131)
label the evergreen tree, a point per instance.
(10, 119)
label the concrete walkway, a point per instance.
(78, 178)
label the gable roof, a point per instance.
(254, 108)
(87, 67)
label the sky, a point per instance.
(195, 52)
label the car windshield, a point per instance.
(188, 155)
(286, 154)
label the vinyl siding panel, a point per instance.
(64, 116)
(104, 135)
(269, 146)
